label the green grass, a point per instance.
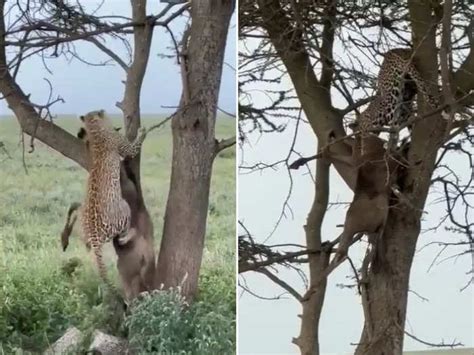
(38, 298)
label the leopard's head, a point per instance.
(82, 133)
(95, 121)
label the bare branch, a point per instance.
(281, 283)
(224, 144)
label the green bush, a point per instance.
(217, 288)
(163, 323)
(37, 307)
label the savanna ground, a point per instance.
(42, 292)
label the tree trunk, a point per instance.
(387, 283)
(387, 287)
(134, 279)
(194, 147)
(308, 340)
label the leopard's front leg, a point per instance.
(127, 149)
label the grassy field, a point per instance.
(39, 298)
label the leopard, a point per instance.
(105, 215)
(75, 208)
(397, 84)
(135, 259)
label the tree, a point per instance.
(318, 46)
(194, 146)
(50, 29)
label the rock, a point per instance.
(68, 343)
(105, 344)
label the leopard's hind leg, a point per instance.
(122, 230)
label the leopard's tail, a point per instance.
(70, 221)
(102, 269)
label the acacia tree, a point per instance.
(51, 28)
(318, 46)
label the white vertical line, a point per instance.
(236, 174)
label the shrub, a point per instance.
(37, 307)
(35, 310)
(163, 323)
(217, 288)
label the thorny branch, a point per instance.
(441, 344)
(255, 256)
(50, 30)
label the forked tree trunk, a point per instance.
(130, 177)
(193, 137)
(194, 148)
(388, 281)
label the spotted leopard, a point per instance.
(105, 215)
(397, 84)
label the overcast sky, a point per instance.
(86, 88)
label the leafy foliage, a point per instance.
(164, 323)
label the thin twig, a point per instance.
(281, 283)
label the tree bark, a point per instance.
(312, 94)
(387, 288)
(308, 340)
(387, 283)
(130, 173)
(194, 147)
(130, 105)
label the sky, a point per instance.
(86, 88)
(268, 326)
